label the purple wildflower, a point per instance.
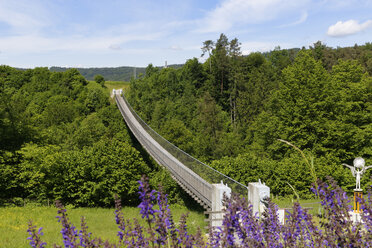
(85, 237)
(215, 235)
(366, 215)
(139, 240)
(147, 197)
(162, 218)
(130, 238)
(119, 218)
(250, 228)
(35, 240)
(69, 232)
(337, 225)
(184, 237)
(173, 233)
(271, 226)
(241, 228)
(300, 228)
(197, 239)
(230, 222)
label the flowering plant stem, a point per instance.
(310, 165)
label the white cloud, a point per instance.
(115, 47)
(36, 43)
(175, 48)
(348, 28)
(232, 12)
(302, 19)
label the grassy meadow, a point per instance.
(110, 85)
(100, 221)
(116, 85)
(312, 204)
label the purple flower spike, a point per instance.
(35, 240)
(215, 237)
(183, 234)
(337, 224)
(85, 237)
(240, 227)
(140, 240)
(119, 218)
(163, 224)
(147, 197)
(69, 232)
(271, 226)
(300, 228)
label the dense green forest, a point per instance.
(231, 110)
(62, 139)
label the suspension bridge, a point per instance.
(199, 180)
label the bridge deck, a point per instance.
(193, 184)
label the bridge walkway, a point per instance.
(195, 177)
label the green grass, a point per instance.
(101, 222)
(313, 204)
(116, 85)
(110, 85)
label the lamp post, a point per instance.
(358, 169)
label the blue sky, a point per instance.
(108, 33)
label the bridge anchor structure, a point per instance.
(205, 184)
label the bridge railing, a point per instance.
(206, 172)
(201, 189)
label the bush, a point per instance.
(87, 177)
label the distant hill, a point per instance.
(123, 73)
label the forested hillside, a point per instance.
(61, 139)
(231, 110)
(123, 73)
